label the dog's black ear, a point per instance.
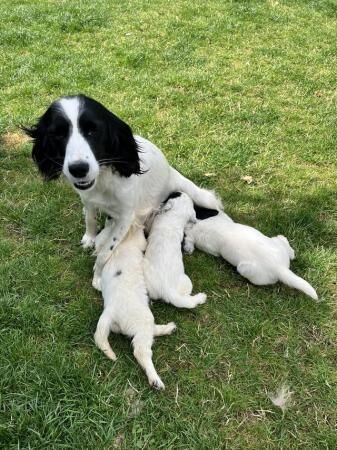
(122, 147)
(47, 154)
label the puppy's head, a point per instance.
(180, 203)
(76, 136)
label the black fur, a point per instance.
(49, 137)
(172, 195)
(204, 213)
(110, 139)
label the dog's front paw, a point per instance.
(88, 241)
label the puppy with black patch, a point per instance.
(163, 263)
(126, 303)
(260, 259)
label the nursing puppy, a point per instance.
(260, 259)
(163, 263)
(126, 304)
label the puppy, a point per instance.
(260, 259)
(163, 262)
(126, 304)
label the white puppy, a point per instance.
(163, 262)
(260, 259)
(126, 304)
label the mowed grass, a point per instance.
(228, 89)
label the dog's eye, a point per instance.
(60, 132)
(89, 128)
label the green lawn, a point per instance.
(228, 89)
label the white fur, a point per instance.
(130, 199)
(77, 148)
(260, 259)
(126, 304)
(163, 262)
(123, 198)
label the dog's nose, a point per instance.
(79, 169)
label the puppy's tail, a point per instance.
(185, 301)
(201, 197)
(288, 277)
(102, 334)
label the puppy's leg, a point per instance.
(142, 343)
(185, 285)
(162, 330)
(102, 334)
(96, 280)
(88, 239)
(185, 301)
(255, 274)
(201, 197)
(284, 241)
(188, 244)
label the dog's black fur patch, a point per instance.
(172, 195)
(110, 139)
(204, 213)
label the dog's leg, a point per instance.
(201, 197)
(102, 334)
(142, 343)
(162, 330)
(88, 239)
(118, 232)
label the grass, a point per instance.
(227, 89)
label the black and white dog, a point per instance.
(123, 175)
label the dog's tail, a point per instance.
(201, 197)
(102, 334)
(288, 277)
(185, 301)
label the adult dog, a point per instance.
(123, 175)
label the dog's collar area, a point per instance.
(83, 185)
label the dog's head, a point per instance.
(76, 136)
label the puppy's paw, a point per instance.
(200, 298)
(96, 283)
(171, 327)
(88, 241)
(188, 247)
(157, 384)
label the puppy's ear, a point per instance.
(122, 147)
(45, 153)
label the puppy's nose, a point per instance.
(79, 169)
